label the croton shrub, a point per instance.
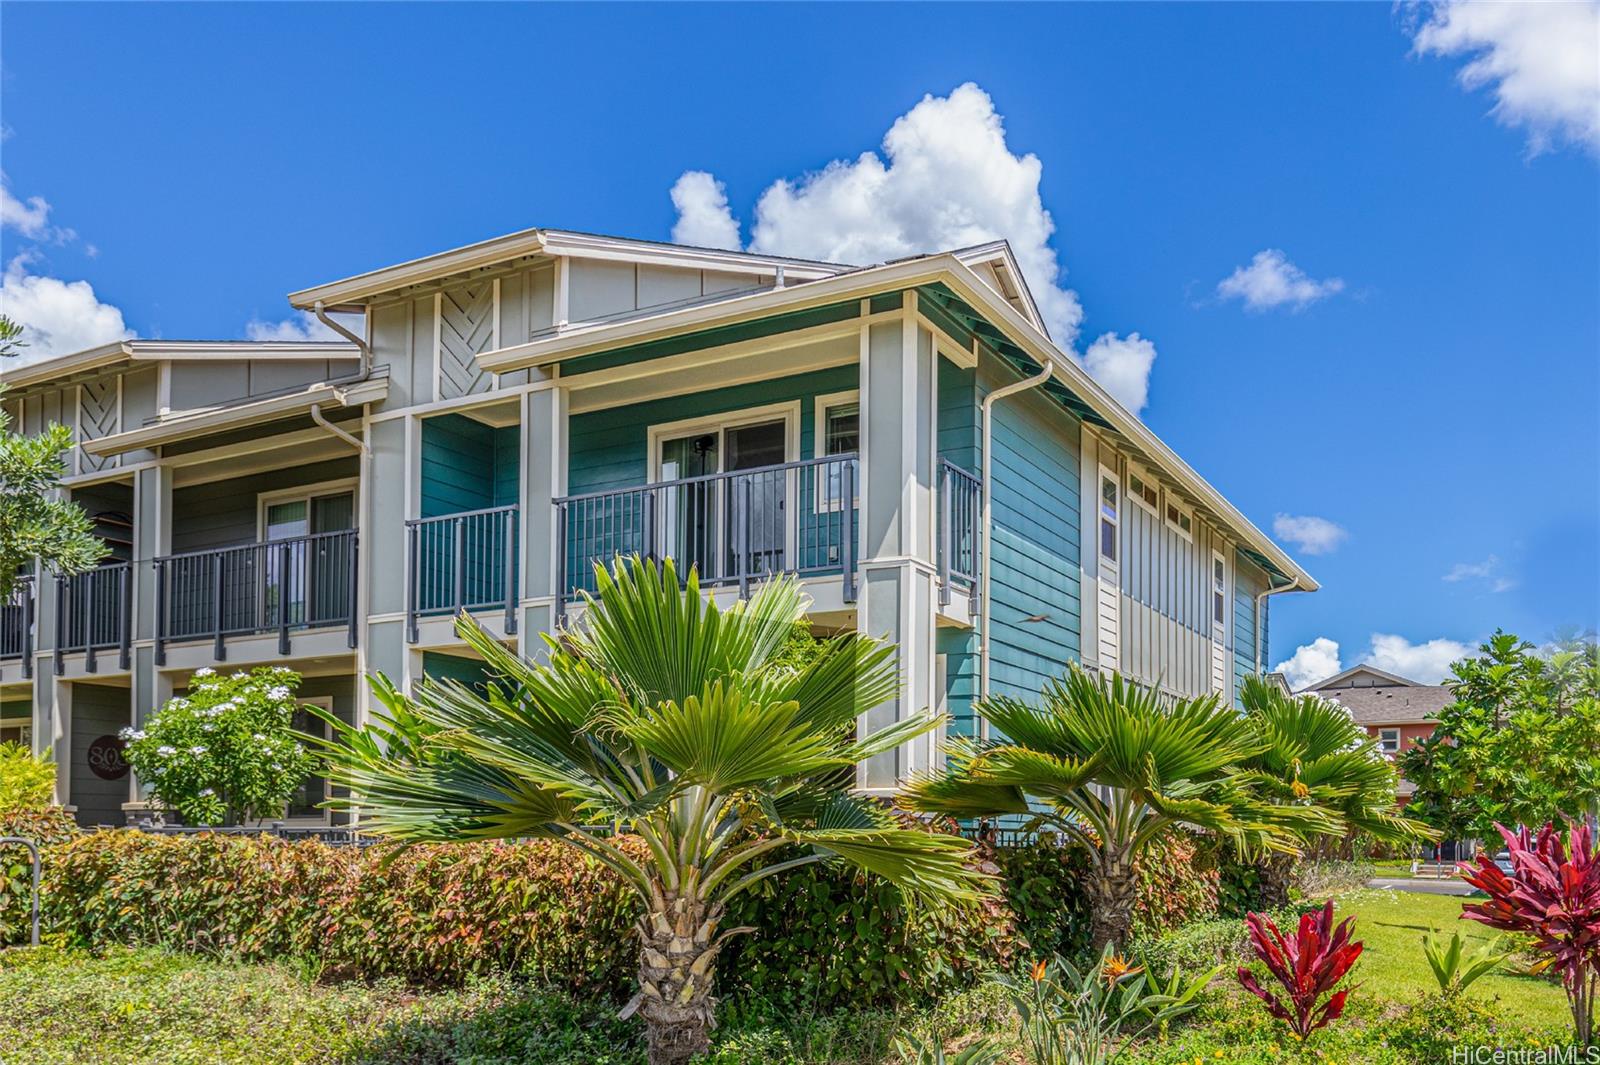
(433, 914)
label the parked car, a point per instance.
(1503, 860)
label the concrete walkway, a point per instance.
(1426, 887)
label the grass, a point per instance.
(132, 1007)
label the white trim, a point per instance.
(495, 339)
(789, 412)
(1399, 739)
(306, 492)
(438, 345)
(1170, 503)
(1136, 470)
(822, 500)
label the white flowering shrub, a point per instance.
(224, 753)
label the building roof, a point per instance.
(1409, 704)
(1357, 677)
(64, 369)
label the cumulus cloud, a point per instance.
(1271, 281)
(945, 178)
(1310, 663)
(1540, 61)
(1428, 663)
(1122, 366)
(302, 325)
(704, 218)
(1312, 535)
(57, 317)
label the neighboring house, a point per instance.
(1396, 712)
(512, 412)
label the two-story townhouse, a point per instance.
(1396, 712)
(904, 437)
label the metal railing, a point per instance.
(94, 612)
(16, 624)
(457, 562)
(300, 582)
(960, 504)
(795, 517)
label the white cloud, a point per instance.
(58, 317)
(30, 217)
(1310, 663)
(1488, 571)
(303, 325)
(1541, 61)
(704, 218)
(1271, 280)
(1428, 663)
(945, 179)
(1312, 535)
(1122, 366)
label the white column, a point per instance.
(544, 479)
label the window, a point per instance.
(1142, 490)
(1389, 741)
(1108, 518)
(838, 432)
(1219, 589)
(1181, 520)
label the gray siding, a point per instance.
(1166, 598)
(224, 513)
(97, 710)
(208, 384)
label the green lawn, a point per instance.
(133, 1007)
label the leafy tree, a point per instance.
(226, 752)
(1115, 767)
(1519, 745)
(32, 523)
(27, 780)
(666, 719)
(11, 342)
(1313, 755)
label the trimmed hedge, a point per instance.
(46, 825)
(431, 915)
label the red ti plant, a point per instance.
(1308, 966)
(1553, 895)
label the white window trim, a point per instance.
(1398, 739)
(306, 492)
(1149, 479)
(1115, 518)
(1169, 500)
(819, 442)
(789, 412)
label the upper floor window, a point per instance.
(1219, 589)
(1108, 517)
(1389, 741)
(1142, 490)
(838, 432)
(1180, 519)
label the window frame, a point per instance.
(1383, 739)
(789, 413)
(1144, 477)
(306, 493)
(822, 501)
(1171, 503)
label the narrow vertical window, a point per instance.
(1108, 518)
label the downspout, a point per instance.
(984, 525)
(338, 327)
(1261, 601)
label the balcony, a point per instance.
(94, 613)
(285, 585)
(734, 528)
(16, 625)
(461, 562)
(960, 512)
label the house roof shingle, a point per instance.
(1410, 704)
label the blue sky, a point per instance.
(1414, 357)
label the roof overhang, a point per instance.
(61, 369)
(948, 269)
(190, 424)
(354, 292)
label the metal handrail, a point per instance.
(472, 579)
(960, 499)
(284, 585)
(94, 611)
(16, 630)
(735, 526)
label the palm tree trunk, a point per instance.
(1112, 889)
(1276, 872)
(677, 965)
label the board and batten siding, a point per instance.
(1166, 601)
(1035, 606)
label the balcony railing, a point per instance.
(301, 582)
(16, 624)
(734, 528)
(94, 612)
(960, 504)
(457, 562)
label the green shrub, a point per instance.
(1203, 943)
(226, 752)
(27, 780)
(1319, 878)
(46, 825)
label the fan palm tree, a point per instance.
(664, 718)
(1116, 767)
(1312, 754)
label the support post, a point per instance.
(125, 635)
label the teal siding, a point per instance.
(960, 650)
(469, 671)
(1248, 582)
(610, 448)
(958, 415)
(467, 465)
(1035, 607)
